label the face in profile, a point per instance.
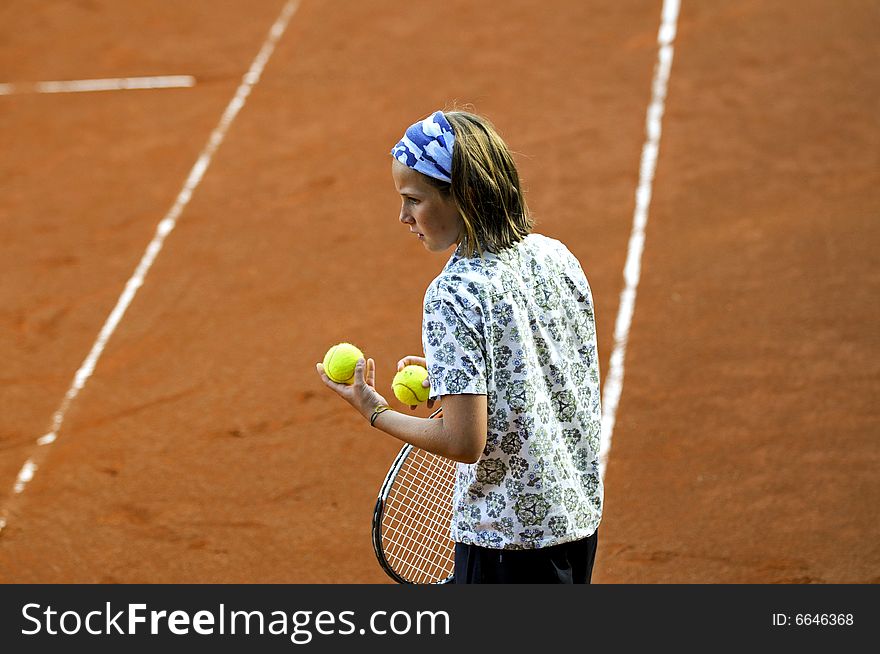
(429, 213)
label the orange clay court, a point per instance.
(203, 448)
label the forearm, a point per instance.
(428, 434)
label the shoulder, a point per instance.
(539, 244)
(461, 278)
(543, 256)
(545, 249)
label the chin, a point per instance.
(438, 248)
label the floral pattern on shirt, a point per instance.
(518, 326)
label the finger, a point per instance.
(410, 361)
(324, 378)
(371, 372)
(359, 371)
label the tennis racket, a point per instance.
(412, 518)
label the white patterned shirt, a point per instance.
(518, 327)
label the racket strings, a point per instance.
(432, 526)
(417, 516)
(418, 561)
(415, 536)
(423, 484)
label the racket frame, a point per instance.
(379, 511)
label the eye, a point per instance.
(411, 200)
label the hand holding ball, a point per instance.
(340, 362)
(407, 385)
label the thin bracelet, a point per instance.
(379, 409)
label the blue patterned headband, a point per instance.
(427, 147)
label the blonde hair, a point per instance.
(485, 186)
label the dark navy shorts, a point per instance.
(569, 563)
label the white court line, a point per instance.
(632, 269)
(165, 227)
(114, 84)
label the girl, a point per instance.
(509, 339)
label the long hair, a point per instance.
(485, 186)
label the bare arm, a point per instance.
(459, 435)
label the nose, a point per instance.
(405, 218)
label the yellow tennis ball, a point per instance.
(340, 361)
(407, 385)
